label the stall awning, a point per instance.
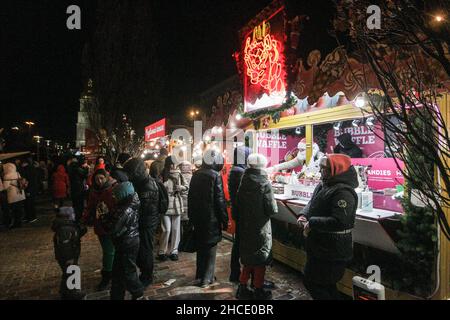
(6, 156)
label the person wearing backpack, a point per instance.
(171, 220)
(153, 204)
(67, 246)
(15, 186)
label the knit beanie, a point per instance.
(339, 163)
(66, 213)
(257, 161)
(123, 190)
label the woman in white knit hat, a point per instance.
(255, 205)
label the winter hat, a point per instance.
(123, 190)
(103, 172)
(257, 161)
(185, 166)
(339, 163)
(66, 213)
(198, 162)
(100, 166)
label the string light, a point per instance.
(360, 102)
(356, 122)
(337, 125)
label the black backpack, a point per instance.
(163, 196)
(67, 242)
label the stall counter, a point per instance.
(368, 228)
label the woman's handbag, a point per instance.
(188, 243)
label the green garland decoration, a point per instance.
(275, 114)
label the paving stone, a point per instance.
(28, 269)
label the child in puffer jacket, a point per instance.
(67, 245)
(124, 232)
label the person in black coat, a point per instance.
(67, 246)
(208, 214)
(149, 215)
(78, 173)
(125, 236)
(30, 173)
(241, 154)
(328, 220)
(347, 146)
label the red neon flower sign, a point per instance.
(263, 62)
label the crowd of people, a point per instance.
(129, 202)
(20, 183)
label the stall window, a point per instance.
(363, 140)
(280, 146)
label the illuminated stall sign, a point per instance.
(264, 64)
(370, 141)
(277, 147)
(155, 130)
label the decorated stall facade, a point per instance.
(302, 100)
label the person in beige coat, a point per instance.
(171, 220)
(15, 194)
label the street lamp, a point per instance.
(38, 141)
(194, 113)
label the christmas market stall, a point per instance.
(301, 100)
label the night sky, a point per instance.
(41, 58)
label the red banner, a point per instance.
(155, 130)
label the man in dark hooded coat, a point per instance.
(241, 154)
(149, 215)
(208, 214)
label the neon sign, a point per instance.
(264, 64)
(262, 59)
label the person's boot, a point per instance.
(244, 292)
(269, 285)
(74, 294)
(145, 281)
(104, 283)
(263, 294)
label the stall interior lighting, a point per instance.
(360, 102)
(238, 117)
(337, 125)
(298, 131)
(370, 121)
(356, 122)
